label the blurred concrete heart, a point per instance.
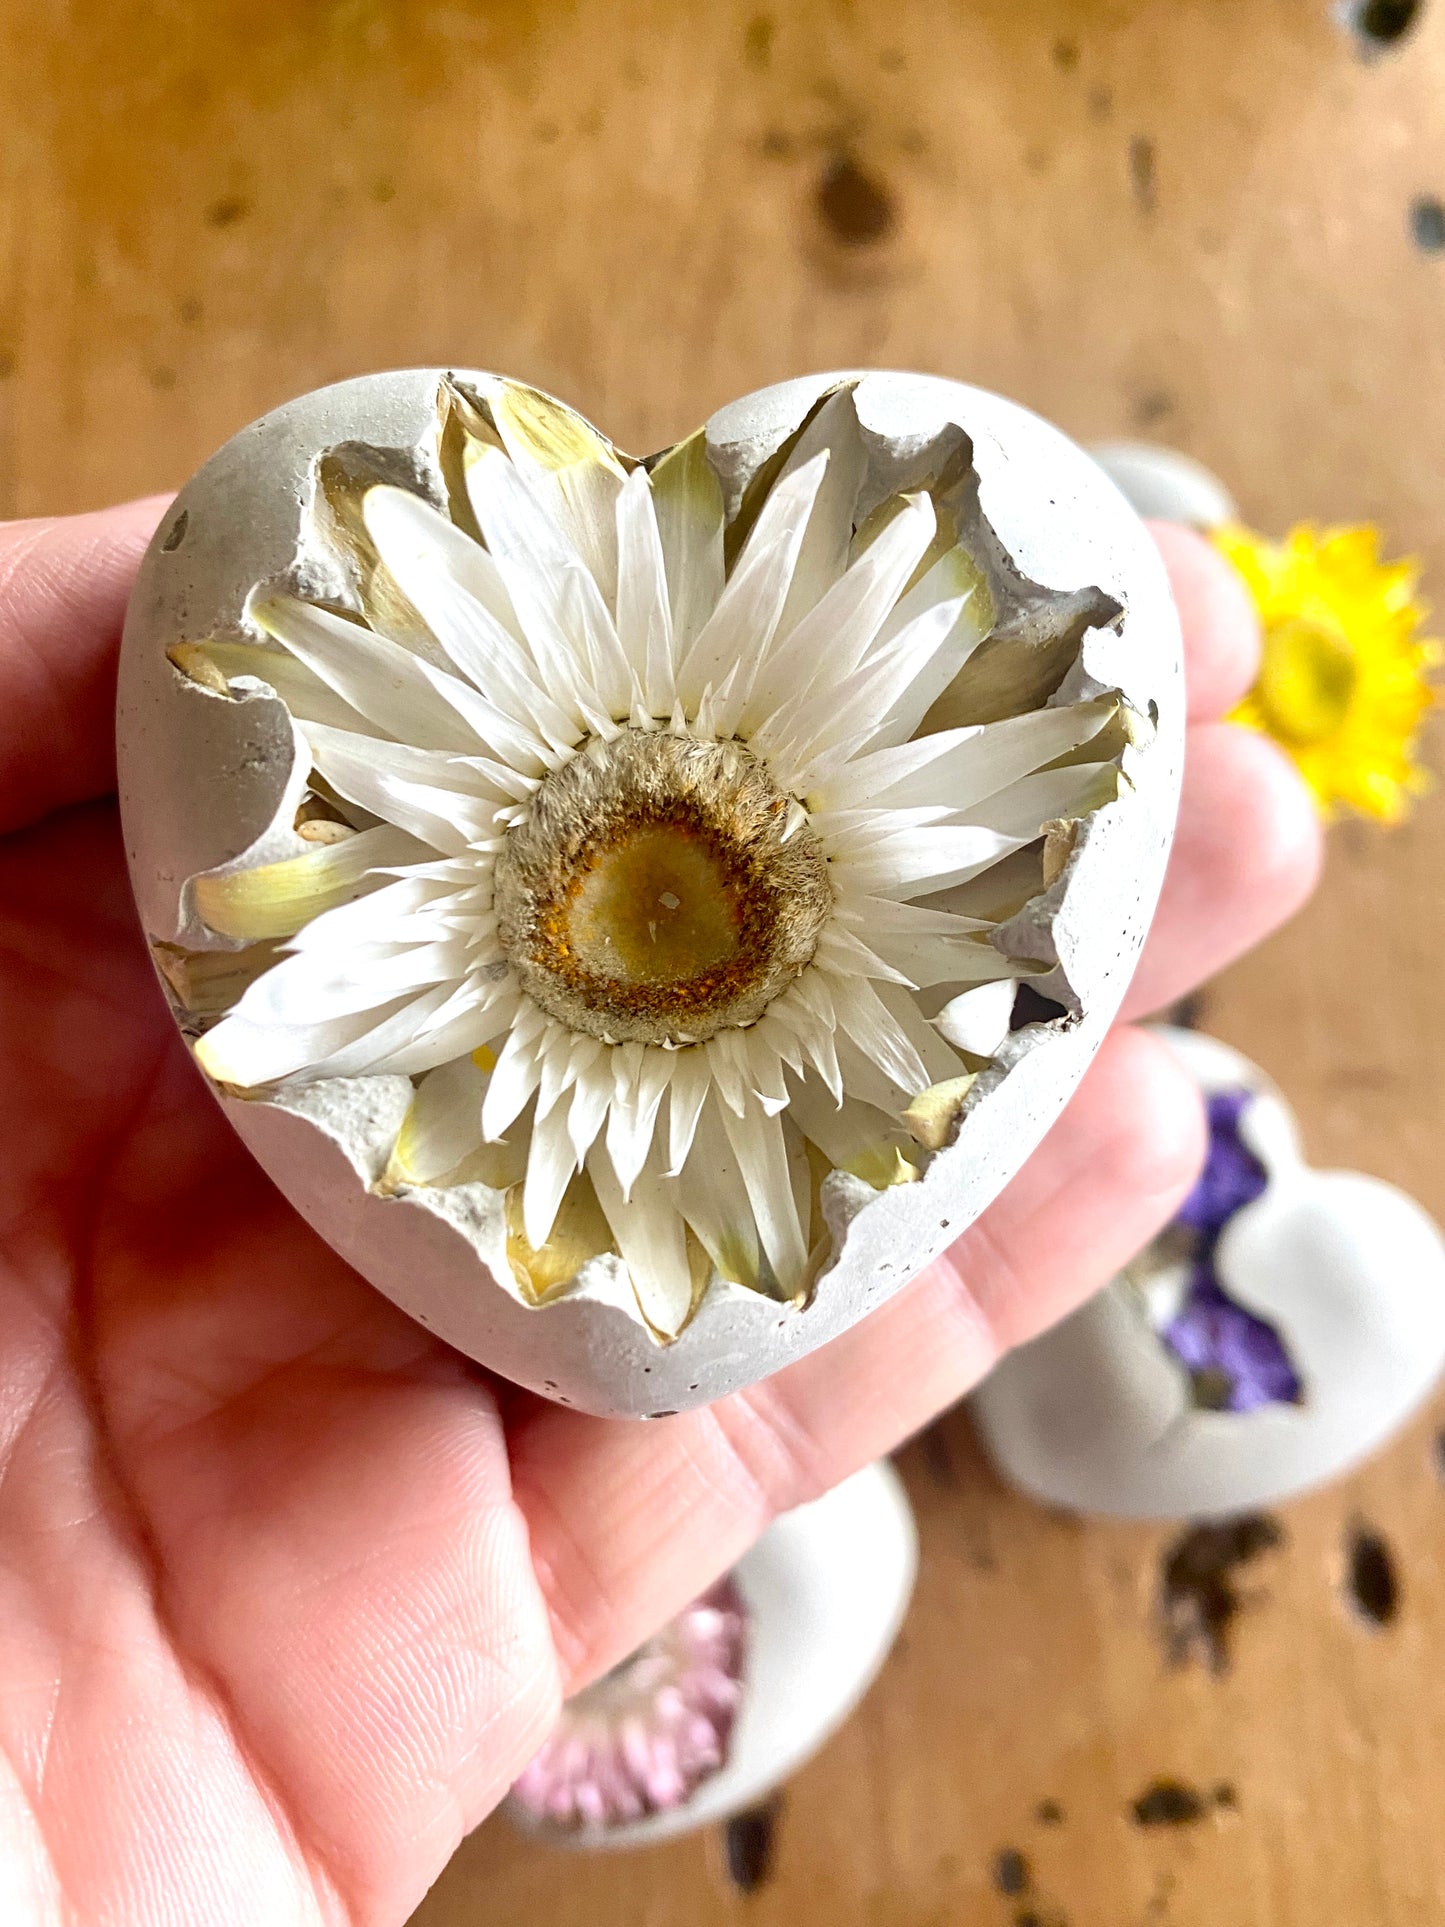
(1100, 1414)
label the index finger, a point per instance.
(1221, 627)
(64, 585)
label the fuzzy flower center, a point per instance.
(661, 889)
(1306, 680)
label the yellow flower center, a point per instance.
(1306, 680)
(658, 907)
(655, 895)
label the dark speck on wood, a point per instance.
(1142, 175)
(1380, 23)
(1372, 1582)
(1427, 224)
(1049, 1813)
(758, 41)
(748, 1840)
(1168, 1803)
(938, 1458)
(856, 209)
(1010, 1871)
(1198, 1598)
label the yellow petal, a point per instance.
(932, 1115)
(580, 1232)
(882, 1165)
(277, 899)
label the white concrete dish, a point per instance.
(826, 1590)
(1097, 1415)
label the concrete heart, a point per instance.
(1097, 1414)
(548, 1049)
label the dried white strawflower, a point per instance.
(658, 822)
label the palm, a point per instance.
(234, 1468)
(289, 1591)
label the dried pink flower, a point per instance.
(641, 1738)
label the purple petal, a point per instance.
(1218, 1341)
(1232, 1176)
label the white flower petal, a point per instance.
(812, 736)
(551, 1160)
(1024, 807)
(444, 1123)
(403, 909)
(832, 639)
(644, 614)
(573, 472)
(475, 1016)
(426, 794)
(740, 628)
(640, 1076)
(960, 959)
(308, 698)
(396, 1031)
(452, 583)
(960, 767)
(938, 1057)
(806, 1009)
(954, 577)
(759, 1147)
(591, 1072)
(388, 684)
(688, 501)
(842, 952)
(716, 1203)
(978, 1020)
(517, 1074)
(846, 1133)
(247, 1055)
(687, 1089)
(652, 1239)
(833, 432)
(867, 1022)
(315, 985)
(916, 861)
(556, 597)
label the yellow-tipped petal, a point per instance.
(580, 1232)
(278, 899)
(882, 1165)
(687, 499)
(533, 425)
(932, 1115)
(196, 664)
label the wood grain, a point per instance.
(1184, 218)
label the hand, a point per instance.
(290, 1591)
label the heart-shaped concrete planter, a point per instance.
(1072, 617)
(1100, 1414)
(821, 1598)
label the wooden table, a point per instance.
(1207, 221)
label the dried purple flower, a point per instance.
(1232, 1176)
(1236, 1360)
(644, 1736)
